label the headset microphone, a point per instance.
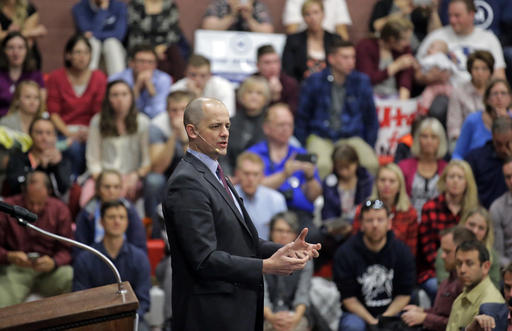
(213, 147)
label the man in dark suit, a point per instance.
(218, 261)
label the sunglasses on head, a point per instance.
(373, 204)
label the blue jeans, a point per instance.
(430, 286)
(75, 153)
(154, 187)
(351, 322)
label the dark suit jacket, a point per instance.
(295, 53)
(216, 254)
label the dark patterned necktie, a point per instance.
(221, 176)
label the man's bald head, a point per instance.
(193, 112)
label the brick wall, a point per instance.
(56, 16)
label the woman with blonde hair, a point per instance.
(422, 170)
(247, 125)
(389, 187)
(477, 220)
(458, 194)
(26, 105)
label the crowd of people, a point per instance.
(421, 242)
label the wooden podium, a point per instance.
(100, 308)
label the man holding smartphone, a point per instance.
(30, 262)
(289, 169)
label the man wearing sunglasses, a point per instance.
(374, 271)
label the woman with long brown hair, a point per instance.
(118, 139)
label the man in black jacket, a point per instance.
(374, 271)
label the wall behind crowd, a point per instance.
(56, 16)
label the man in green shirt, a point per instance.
(472, 264)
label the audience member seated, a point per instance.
(238, 15)
(435, 97)
(132, 262)
(422, 171)
(336, 19)
(16, 65)
(21, 16)
(467, 98)
(338, 103)
(487, 161)
(463, 38)
(29, 261)
(476, 130)
(167, 144)
(89, 229)
(297, 180)
(389, 187)
(75, 94)
(388, 60)
(349, 185)
(423, 16)
(150, 85)
(500, 211)
(507, 291)
(436, 318)
(286, 297)
(118, 139)
(478, 221)
(458, 194)
(157, 22)
(27, 104)
(201, 83)
(261, 202)
(283, 88)
(374, 272)
(43, 155)
(103, 23)
(247, 124)
(492, 15)
(472, 264)
(306, 52)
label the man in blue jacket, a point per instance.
(104, 23)
(337, 103)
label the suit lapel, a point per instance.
(212, 179)
(247, 219)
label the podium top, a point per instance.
(69, 308)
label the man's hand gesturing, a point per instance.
(291, 257)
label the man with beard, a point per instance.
(374, 271)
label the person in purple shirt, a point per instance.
(16, 64)
(104, 23)
(149, 84)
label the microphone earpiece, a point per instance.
(214, 148)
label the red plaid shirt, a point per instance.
(404, 224)
(435, 217)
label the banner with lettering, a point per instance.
(395, 118)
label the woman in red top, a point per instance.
(75, 94)
(389, 187)
(458, 194)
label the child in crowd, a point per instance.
(437, 57)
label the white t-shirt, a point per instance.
(216, 87)
(462, 46)
(335, 11)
